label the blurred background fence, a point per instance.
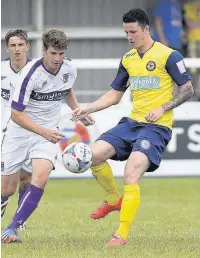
(94, 28)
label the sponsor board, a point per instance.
(185, 142)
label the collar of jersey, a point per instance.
(50, 71)
(142, 54)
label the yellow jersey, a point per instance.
(151, 78)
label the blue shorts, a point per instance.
(129, 136)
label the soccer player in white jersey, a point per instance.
(17, 47)
(32, 132)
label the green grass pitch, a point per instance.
(167, 224)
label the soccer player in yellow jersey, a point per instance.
(151, 69)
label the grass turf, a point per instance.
(167, 224)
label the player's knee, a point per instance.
(100, 153)
(132, 174)
(97, 162)
(8, 190)
(9, 184)
(97, 158)
(39, 181)
(136, 166)
(131, 179)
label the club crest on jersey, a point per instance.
(151, 65)
(65, 77)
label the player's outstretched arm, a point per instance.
(110, 98)
(24, 121)
(73, 104)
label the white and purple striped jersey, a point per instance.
(8, 79)
(39, 92)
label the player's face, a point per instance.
(53, 58)
(17, 48)
(135, 34)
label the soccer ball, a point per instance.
(77, 157)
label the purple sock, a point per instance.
(28, 204)
(21, 192)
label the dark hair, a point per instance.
(54, 38)
(22, 34)
(137, 15)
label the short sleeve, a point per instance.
(121, 79)
(73, 76)
(69, 72)
(22, 95)
(175, 66)
(24, 86)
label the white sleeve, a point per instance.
(73, 74)
(24, 86)
(73, 77)
(22, 94)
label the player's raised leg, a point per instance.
(136, 166)
(29, 202)
(102, 171)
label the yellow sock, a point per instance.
(104, 177)
(130, 205)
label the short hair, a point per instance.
(137, 15)
(22, 34)
(54, 38)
